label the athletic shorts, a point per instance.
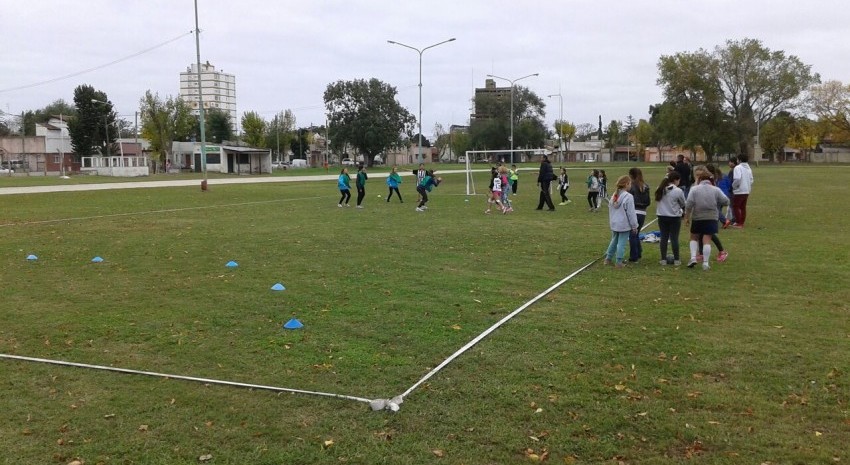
(497, 195)
(704, 227)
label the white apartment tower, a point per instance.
(218, 89)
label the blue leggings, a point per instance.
(619, 240)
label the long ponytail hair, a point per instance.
(637, 179)
(662, 188)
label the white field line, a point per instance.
(499, 323)
(151, 212)
(185, 378)
(489, 330)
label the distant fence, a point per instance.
(117, 166)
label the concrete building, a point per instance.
(491, 90)
(217, 89)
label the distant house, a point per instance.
(220, 158)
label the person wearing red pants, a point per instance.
(742, 184)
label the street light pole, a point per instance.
(561, 119)
(201, 115)
(105, 123)
(420, 52)
(512, 105)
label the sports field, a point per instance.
(745, 363)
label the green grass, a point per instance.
(746, 363)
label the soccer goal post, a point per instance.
(493, 158)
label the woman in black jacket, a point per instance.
(640, 191)
(544, 178)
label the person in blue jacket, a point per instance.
(344, 184)
(393, 180)
(428, 182)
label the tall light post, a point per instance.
(512, 81)
(561, 120)
(201, 115)
(420, 52)
(105, 124)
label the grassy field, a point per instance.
(745, 363)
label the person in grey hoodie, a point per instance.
(623, 220)
(669, 206)
(701, 211)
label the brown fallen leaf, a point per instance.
(328, 443)
(205, 458)
(143, 428)
(438, 452)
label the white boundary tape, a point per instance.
(477, 339)
(493, 328)
(185, 378)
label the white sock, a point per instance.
(693, 246)
(706, 252)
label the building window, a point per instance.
(57, 159)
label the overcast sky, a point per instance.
(602, 56)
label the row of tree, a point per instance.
(717, 100)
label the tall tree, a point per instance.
(460, 143)
(643, 138)
(585, 131)
(366, 115)
(752, 82)
(441, 139)
(163, 122)
(414, 139)
(254, 129)
(300, 142)
(805, 135)
(94, 123)
(774, 136)
(830, 102)
(693, 113)
(217, 129)
(279, 132)
(615, 134)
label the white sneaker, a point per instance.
(360, 206)
(692, 262)
(419, 209)
(663, 263)
(340, 205)
(705, 266)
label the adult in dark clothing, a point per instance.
(544, 178)
(640, 192)
(685, 175)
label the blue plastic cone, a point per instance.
(231, 264)
(32, 257)
(278, 287)
(96, 260)
(293, 324)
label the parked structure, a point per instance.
(233, 159)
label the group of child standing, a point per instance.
(425, 182)
(502, 182)
(701, 208)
